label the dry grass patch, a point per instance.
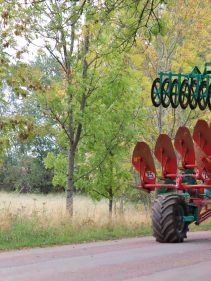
(28, 220)
(49, 211)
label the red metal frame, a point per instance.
(194, 156)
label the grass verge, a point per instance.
(27, 233)
(206, 225)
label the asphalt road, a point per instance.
(127, 259)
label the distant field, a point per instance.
(28, 220)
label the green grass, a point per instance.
(26, 233)
(206, 225)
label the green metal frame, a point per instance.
(193, 210)
(194, 74)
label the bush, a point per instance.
(26, 174)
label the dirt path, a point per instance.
(127, 259)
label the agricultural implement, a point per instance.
(184, 193)
(192, 89)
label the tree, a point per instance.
(27, 140)
(104, 159)
(77, 35)
(176, 49)
(102, 162)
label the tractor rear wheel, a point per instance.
(167, 218)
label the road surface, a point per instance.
(131, 259)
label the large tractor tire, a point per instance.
(167, 218)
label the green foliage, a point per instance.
(26, 137)
(159, 28)
(103, 161)
(25, 174)
(110, 126)
(59, 165)
(88, 88)
(175, 50)
(82, 88)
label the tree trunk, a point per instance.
(110, 188)
(110, 206)
(110, 203)
(74, 137)
(70, 168)
(121, 205)
(70, 181)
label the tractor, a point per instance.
(184, 192)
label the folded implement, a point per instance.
(184, 193)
